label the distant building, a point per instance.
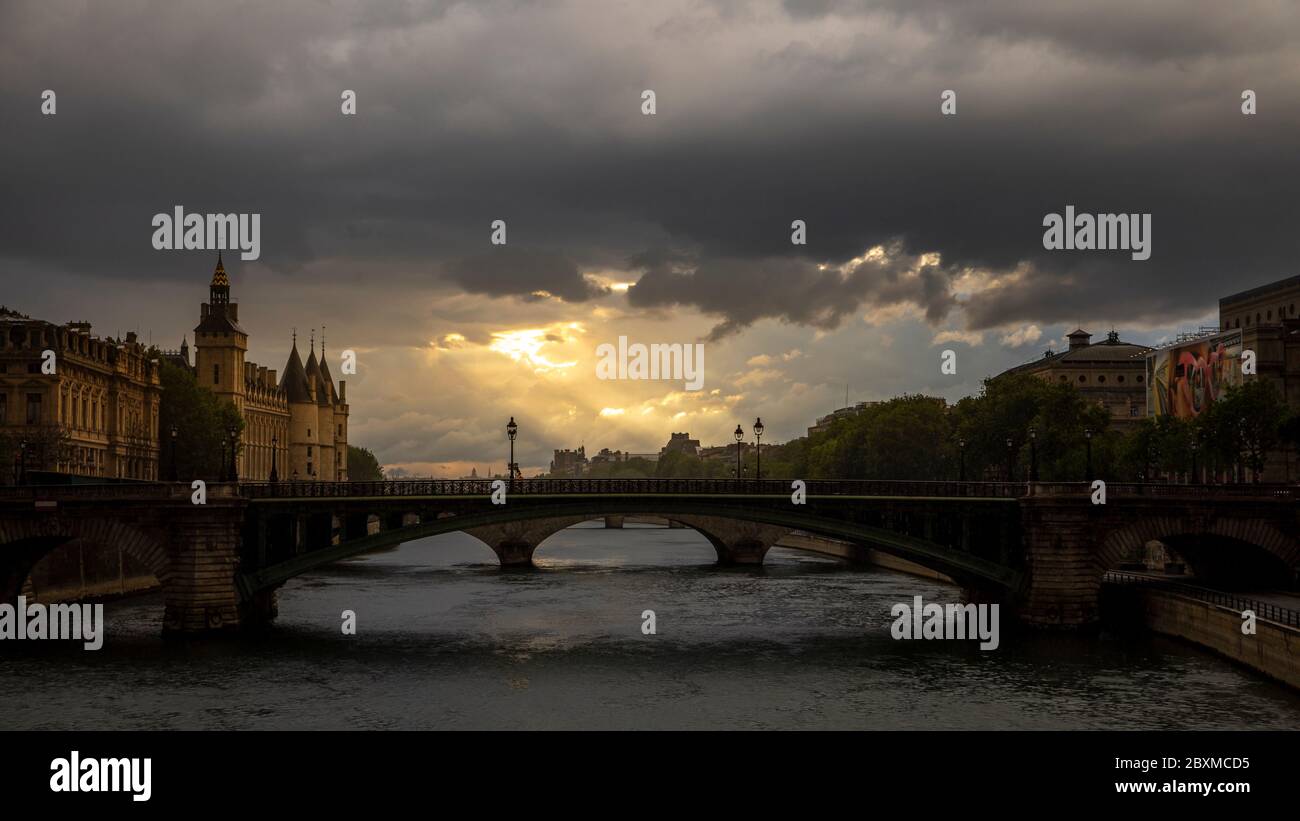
(1190, 375)
(1110, 373)
(825, 422)
(302, 417)
(95, 415)
(680, 443)
(569, 462)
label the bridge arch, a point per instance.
(23, 543)
(1203, 544)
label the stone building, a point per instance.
(95, 414)
(302, 417)
(570, 463)
(1111, 373)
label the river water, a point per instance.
(446, 640)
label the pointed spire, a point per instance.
(219, 278)
(322, 343)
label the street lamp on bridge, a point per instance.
(512, 430)
(275, 474)
(174, 433)
(961, 457)
(1033, 453)
(740, 436)
(1087, 440)
(758, 435)
(1194, 479)
(234, 447)
(1011, 460)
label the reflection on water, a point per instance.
(447, 640)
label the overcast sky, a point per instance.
(924, 230)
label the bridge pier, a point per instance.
(1063, 575)
(736, 542)
(203, 558)
(514, 542)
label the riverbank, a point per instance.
(1273, 650)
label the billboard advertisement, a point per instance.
(1184, 380)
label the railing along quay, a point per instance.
(1264, 610)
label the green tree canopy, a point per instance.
(363, 466)
(202, 421)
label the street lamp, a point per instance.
(758, 434)
(224, 465)
(961, 451)
(174, 433)
(1033, 453)
(275, 474)
(1087, 438)
(512, 430)
(234, 446)
(1193, 479)
(22, 462)
(1011, 460)
(740, 435)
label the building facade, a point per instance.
(71, 402)
(297, 425)
(1112, 374)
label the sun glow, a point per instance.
(526, 345)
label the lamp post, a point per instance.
(512, 430)
(275, 474)
(1011, 460)
(961, 457)
(740, 435)
(174, 433)
(1033, 453)
(22, 462)
(758, 453)
(225, 467)
(1087, 439)
(1194, 479)
(234, 447)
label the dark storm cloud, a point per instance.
(787, 288)
(526, 272)
(530, 112)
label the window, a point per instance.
(1083, 378)
(1119, 378)
(308, 433)
(1139, 380)
(309, 451)
(1101, 378)
(33, 408)
(340, 430)
(216, 374)
(1239, 322)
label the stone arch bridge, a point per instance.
(1041, 548)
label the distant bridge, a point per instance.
(1042, 547)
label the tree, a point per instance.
(203, 421)
(363, 466)
(1246, 425)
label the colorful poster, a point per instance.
(1186, 379)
